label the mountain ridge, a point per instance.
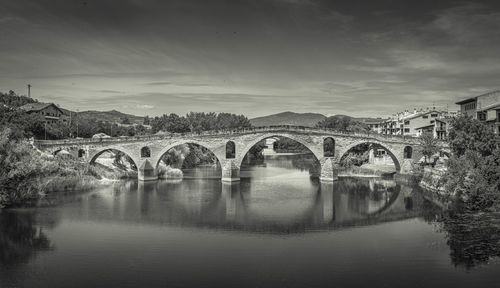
(288, 118)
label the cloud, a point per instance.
(145, 106)
(109, 91)
(166, 83)
(250, 57)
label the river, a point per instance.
(276, 228)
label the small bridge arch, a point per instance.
(390, 152)
(93, 157)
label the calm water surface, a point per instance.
(277, 228)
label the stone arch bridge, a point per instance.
(146, 151)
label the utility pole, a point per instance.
(77, 123)
(45, 129)
(29, 90)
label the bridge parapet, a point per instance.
(265, 129)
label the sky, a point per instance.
(148, 57)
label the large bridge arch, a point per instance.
(393, 154)
(315, 148)
(219, 152)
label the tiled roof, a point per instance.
(37, 106)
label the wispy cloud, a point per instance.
(250, 57)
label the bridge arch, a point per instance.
(408, 151)
(98, 153)
(81, 153)
(145, 152)
(312, 147)
(218, 154)
(328, 147)
(230, 150)
(390, 152)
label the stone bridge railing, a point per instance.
(265, 129)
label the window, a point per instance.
(481, 116)
(470, 106)
(329, 147)
(81, 153)
(407, 122)
(434, 115)
(407, 130)
(432, 121)
(230, 150)
(145, 152)
(407, 152)
(425, 116)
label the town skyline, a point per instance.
(248, 57)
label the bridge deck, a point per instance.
(270, 129)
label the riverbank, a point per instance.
(28, 174)
(368, 170)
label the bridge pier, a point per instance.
(147, 172)
(232, 200)
(328, 205)
(329, 170)
(230, 170)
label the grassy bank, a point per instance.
(28, 174)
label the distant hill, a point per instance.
(288, 118)
(110, 116)
(359, 119)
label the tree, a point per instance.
(429, 145)
(468, 134)
(126, 121)
(343, 124)
(146, 120)
(472, 180)
(22, 124)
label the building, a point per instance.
(485, 107)
(411, 124)
(50, 112)
(439, 128)
(375, 125)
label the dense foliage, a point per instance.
(286, 145)
(27, 174)
(473, 175)
(198, 122)
(20, 123)
(356, 156)
(343, 124)
(11, 99)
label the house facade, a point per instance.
(485, 107)
(375, 125)
(49, 111)
(410, 124)
(439, 129)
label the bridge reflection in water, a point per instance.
(210, 203)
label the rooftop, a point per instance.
(470, 99)
(38, 106)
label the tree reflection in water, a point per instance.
(20, 238)
(473, 239)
